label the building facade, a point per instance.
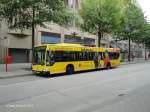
(137, 51)
(20, 42)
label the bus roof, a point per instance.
(68, 45)
(77, 47)
(113, 49)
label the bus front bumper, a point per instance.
(45, 72)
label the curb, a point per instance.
(127, 63)
(29, 73)
(13, 76)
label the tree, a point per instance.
(29, 13)
(131, 26)
(100, 16)
(145, 37)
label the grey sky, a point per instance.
(145, 4)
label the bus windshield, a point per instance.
(49, 58)
(39, 55)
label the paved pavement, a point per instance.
(124, 89)
(23, 69)
(135, 61)
(15, 70)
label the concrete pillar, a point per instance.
(82, 38)
(1, 51)
(30, 56)
(96, 41)
(38, 42)
(62, 34)
(4, 42)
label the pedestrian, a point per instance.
(99, 59)
(132, 56)
(149, 55)
(106, 59)
(96, 62)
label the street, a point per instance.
(64, 38)
(122, 89)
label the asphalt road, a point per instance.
(124, 89)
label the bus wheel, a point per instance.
(47, 74)
(69, 70)
(108, 66)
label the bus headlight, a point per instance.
(45, 70)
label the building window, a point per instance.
(89, 41)
(70, 39)
(48, 38)
(113, 55)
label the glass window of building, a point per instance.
(89, 41)
(70, 39)
(48, 38)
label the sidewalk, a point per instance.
(15, 70)
(24, 69)
(135, 61)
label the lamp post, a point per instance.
(33, 28)
(129, 49)
(1, 49)
(6, 52)
(74, 34)
(116, 41)
(145, 50)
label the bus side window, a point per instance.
(111, 55)
(84, 58)
(69, 56)
(91, 55)
(78, 56)
(72, 56)
(114, 55)
(101, 55)
(87, 56)
(57, 56)
(65, 56)
(106, 53)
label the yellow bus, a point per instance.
(70, 58)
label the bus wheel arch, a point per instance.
(108, 66)
(69, 69)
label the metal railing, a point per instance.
(135, 55)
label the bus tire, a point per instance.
(46, 74)
(108, 66)
(69, 69)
